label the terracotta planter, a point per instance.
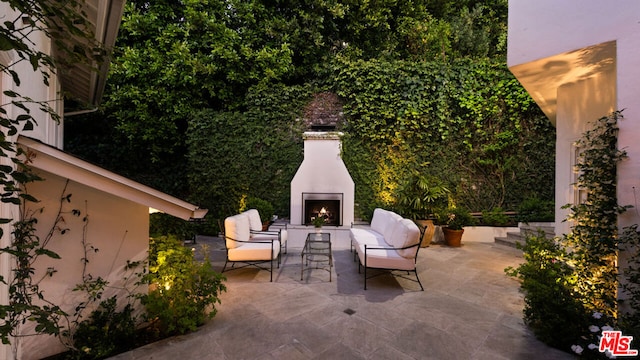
(453, 238)
(430, 229)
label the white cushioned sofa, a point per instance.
(241, 247)
(390, 242)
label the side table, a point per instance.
(317, 249)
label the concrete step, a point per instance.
(532, 229)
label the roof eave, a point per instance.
(67, 166)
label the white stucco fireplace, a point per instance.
(322, 184)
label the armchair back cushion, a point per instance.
(254, 219)
(237, 228)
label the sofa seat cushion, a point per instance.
(365, 236)
(254, 251)
(385, 259)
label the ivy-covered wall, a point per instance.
(468, 124)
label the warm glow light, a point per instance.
(323, 211)
(153, 211)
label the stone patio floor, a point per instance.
(469, 310)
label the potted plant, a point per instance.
(418, 196)
(318, 221)
(453, 221)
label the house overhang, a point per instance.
(52, 160)
(85, 82)
(542, 77)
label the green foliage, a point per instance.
(630, 308)
(183, 292)
(263, 206)
(536, 210)
(252, 154)
(455, 218)
(468, 123)
(164, 224)
(551, 310)
(571, 283)
(419, 195)
(594, 234)
(496, 217)
(105, 332)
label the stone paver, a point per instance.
(469, 310)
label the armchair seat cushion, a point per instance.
(254, 251)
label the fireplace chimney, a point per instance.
(322, 177)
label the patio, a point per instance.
(469, 310)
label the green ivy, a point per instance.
(469, 123)
(571, 282)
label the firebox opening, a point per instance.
(328, 206)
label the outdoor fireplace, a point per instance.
(322, 181)
(326, 205)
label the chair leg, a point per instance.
(418, 278)
(365, 276)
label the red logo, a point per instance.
(617, 344)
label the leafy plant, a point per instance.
(575, 277)
(182, 292)
(630, 307)
(263, 206)
(318, 221)
(455, 218)
(535, 209)
(551, 309)
(105, 332)
(496, 217)
(419, 195)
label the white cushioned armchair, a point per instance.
(255, 224)
(242, 248)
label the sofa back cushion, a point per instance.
(405, 233)
(254, 219)
(383, 221)
(236, 227)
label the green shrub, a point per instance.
(551, 309)
(164, 224)
(182, 292)
(496, 217)
(105, 333)
(536, 210)
(263, 206)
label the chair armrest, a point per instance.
(263, 241)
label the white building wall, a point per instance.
(540, 34)
(118, 228)
(628, 79)
(543, 28)
(579, 104)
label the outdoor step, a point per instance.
(526, 230)
(511, 242)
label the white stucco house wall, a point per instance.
(579, 61)
(114, 211)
